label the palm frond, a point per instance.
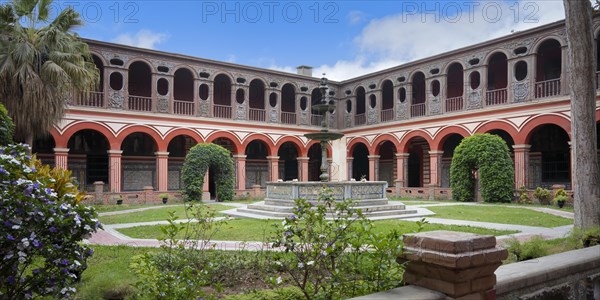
(40, 67)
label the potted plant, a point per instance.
(560, 197)
(164, 197)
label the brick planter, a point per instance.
(460, 265)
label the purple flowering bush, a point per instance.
(42, 225)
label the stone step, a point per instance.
(364, 209)
(282, 214)
(357, 203)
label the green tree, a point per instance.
(42, 62)
(489, 155)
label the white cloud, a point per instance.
(394, 39)
(144, 39)
(355, 16)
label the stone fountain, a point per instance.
(369, 196)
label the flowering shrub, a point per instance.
(41, 229)
(332, 252)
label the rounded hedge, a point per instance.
(197, 162)
(488, 154)
(7, 127)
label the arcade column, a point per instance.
(240, 171)
(162, 170)
(521, 164)
(61, 157)
(273, 167)
(303, 167)
(114, 161)
(373, 167)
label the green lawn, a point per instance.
(418, 202)
(113, 207)
(260, 230)
(499, 214)
(158, 214)
(108, 275)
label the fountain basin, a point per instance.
(369, 196)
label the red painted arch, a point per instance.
(62, 140)
(122, 135)
(228, 135)
(272, 150)
(411, 135)
(530, 126)
(442, 135)
(183, 131)
(499, 125)
(385, 138)
(294, 140)
(355, 141)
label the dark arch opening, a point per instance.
(418, 162)
(387, 162)
(361, 106)
(314, 162)
(138, 162)
(178, 148)
(288, 161)
(257, 165)
(448, 146)
(140, 79)
(360, 162)
(549, 157)
(183, 85)
(88, 158)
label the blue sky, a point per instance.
(342, 38)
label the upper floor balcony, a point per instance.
(455, 85)
(139, 87)
(524, 67)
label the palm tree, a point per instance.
(41, 63)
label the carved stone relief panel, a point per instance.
(520, 91)
(115, 100)
(474, 99)
(204, 108)
(240, 112)
(435, 106)
(273, 115)
(304, 118)
(372, 116)
(401, 110)
(163, 104)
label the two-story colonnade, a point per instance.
(401, 124)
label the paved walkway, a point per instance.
(110, 235)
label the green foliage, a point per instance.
(42, 229)
(7, 127)
(579, 238)
(197, 162)
(331, 252)
(489, 155)
(531, 249)
(542, 194)
(287, 293)
(43, 63)
(524, 196)
(184, 266)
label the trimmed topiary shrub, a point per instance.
(489, 155)
(200, 158)
(7, 127)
